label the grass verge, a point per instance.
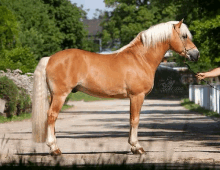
(73, 97)
(82, 96)
(23, 116)
(197, 108)
(66, 107)
(15, 118)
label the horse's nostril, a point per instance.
(194, 54)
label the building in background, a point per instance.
(95, 30)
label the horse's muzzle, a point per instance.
(193, 55)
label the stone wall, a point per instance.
(21, 80)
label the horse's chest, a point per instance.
(140, 83)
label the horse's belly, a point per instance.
(104, 92)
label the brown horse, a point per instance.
(126, 73)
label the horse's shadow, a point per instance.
(105, 152)
(167, 124)
(76, 153)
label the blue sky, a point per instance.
(92, 5)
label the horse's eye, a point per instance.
(184, 36)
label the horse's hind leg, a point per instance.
(55, 107)
(135, 108)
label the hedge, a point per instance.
(17, 100)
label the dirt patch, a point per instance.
(96, 132)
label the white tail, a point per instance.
(40, 102)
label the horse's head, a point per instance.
(181, 42)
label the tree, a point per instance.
(12, 55)
(130, 17)
(32, 29)
(202, 17)
(18, 58)
(207, 38)
(68, 19)
(206, 30)
(38, 31)
(8, 29)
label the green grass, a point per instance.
(197, 108)
(23, 116)
(73, 97)
(65, 107)
(82, 96)
(15, 118)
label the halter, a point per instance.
(185, 51)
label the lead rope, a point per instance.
(185, 51)
(202, 79)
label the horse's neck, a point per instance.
(153, 56)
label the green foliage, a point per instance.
(20, 117)
(64, 107)
(8, 29)
(67, 18)
(83, 96)
(32, 29)
(37, 30)
(19, 57)
(18, 101)
(9, 92)
(207, 36)
(23, 102)
(196, 108)
(12, 54)
(131, 17)
(203, 18)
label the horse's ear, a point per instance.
(179, 24)
(142, 37)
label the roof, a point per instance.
(93, 26)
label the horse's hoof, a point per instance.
(136, 150)
(57, 152)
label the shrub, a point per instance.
(18, 101)
(23, 102)
(18, 58)
(9, 92)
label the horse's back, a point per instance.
(74, 66)
(71, 60)
(113, 75)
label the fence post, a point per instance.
(205, 96)
(197, 95)
(213, 99)
(218, 98)
(191, 93)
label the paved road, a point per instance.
(96, 132)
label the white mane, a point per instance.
(157, 33)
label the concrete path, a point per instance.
(97, 132)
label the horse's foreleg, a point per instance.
(135, 108)
(56, 105)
